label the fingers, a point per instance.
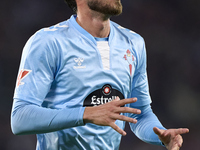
(178, 137)
(157, 131)
(107, 114)
(124, 118)
(118, 129)
(172, 137)
(172, 131)
(128, 110)
(117, 102)
(126, 101)
(177, 143)
(179, 140)
(181, 131)
(175, 148)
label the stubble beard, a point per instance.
(104, 8)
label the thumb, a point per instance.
(157, 131)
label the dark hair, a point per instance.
(72, 4)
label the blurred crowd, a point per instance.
(171, 29)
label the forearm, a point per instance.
(27, 118)
(143, 129)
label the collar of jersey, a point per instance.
(87, 34)
(101, 39)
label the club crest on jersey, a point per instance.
(101, 96)
(79, 62)
(129, 58)
(22, 74)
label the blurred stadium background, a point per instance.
(171, 29)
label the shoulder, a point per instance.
(134, 39)
(53, 32)
(43, 43)
(47, 38)
(127, 33)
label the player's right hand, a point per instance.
(107, 114)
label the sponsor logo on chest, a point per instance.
(101, 96)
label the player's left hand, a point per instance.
(171, 138)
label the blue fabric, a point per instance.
(101, 39)
(60, 67)
(143, 129)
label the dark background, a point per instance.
(171, 30)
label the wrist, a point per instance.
(86, 115)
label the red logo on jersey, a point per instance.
(22, 74)
(129, 58)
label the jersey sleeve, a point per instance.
(36, 73)
(146, 121)
(140, 87)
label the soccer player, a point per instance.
(79, 81)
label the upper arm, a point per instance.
(36, 71)
(140, 87)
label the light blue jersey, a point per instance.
(62, 71)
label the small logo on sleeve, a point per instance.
(22, 74)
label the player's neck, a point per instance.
(98, 25)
